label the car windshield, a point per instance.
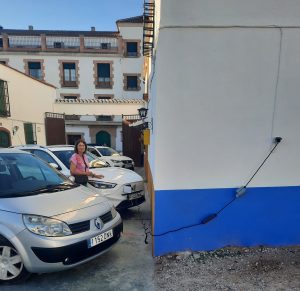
(108, 151)
(25, 174)
(65, 157)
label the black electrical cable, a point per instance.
(239, 193)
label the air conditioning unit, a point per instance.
(58, 44)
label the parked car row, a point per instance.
(48, 222)
(112, 157)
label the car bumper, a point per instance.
(122, 200)
(44, 254)
(125, 204)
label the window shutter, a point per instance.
(29, 130)
(104, 70)
(69, 66)
(34, 65)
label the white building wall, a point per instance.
(86, 87)
(232, 90)
(77, 129)
(29, 100)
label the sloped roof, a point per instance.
(43, 82)
(136, 19)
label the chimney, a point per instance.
(30, 27)
(93, 28)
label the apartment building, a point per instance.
(96, 67)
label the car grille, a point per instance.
(106, 217)
(77, 252)
(80, 226)
(127, 162)
(85, 225)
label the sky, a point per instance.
(67, 14)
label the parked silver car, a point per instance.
(48, 223)
(112, 157)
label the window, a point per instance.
(105, 45)
(131, 49)
(132, 82)
(69, 75)
(104, 96)
(103, 75)
(30, 133)
(34, 70)
(1, 42)
(70, 97)
(58, 44)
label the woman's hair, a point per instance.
(77, 143)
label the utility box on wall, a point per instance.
(146, 136)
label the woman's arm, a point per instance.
(75, 171)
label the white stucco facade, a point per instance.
(224, 84)
(29, 100)
(233, 87)
(84, 50)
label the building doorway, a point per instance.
(103, 138)
(4, 138)
(72, 138)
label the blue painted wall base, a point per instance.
(268, 216)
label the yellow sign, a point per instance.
(146, 135)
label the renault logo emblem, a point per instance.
(98, 222)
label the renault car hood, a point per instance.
(55, 203)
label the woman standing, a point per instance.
(79, 164)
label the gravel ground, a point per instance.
(230, 269)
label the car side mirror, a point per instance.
(53, 165)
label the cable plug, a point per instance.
(277, 139)
(240, 192)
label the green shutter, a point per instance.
(4, 139)
(2, 98)
(29, 130)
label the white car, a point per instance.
(123, 187)
(112, 157)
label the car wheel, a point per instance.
(12, 269)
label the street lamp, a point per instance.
(143, 112)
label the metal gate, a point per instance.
(55, 128)
(132, 146)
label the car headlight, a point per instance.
(114, 212)
(46, 226)
(116, 161)
(102, 185)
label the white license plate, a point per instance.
(134, 196)
(100, 238)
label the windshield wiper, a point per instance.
(47, 188)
